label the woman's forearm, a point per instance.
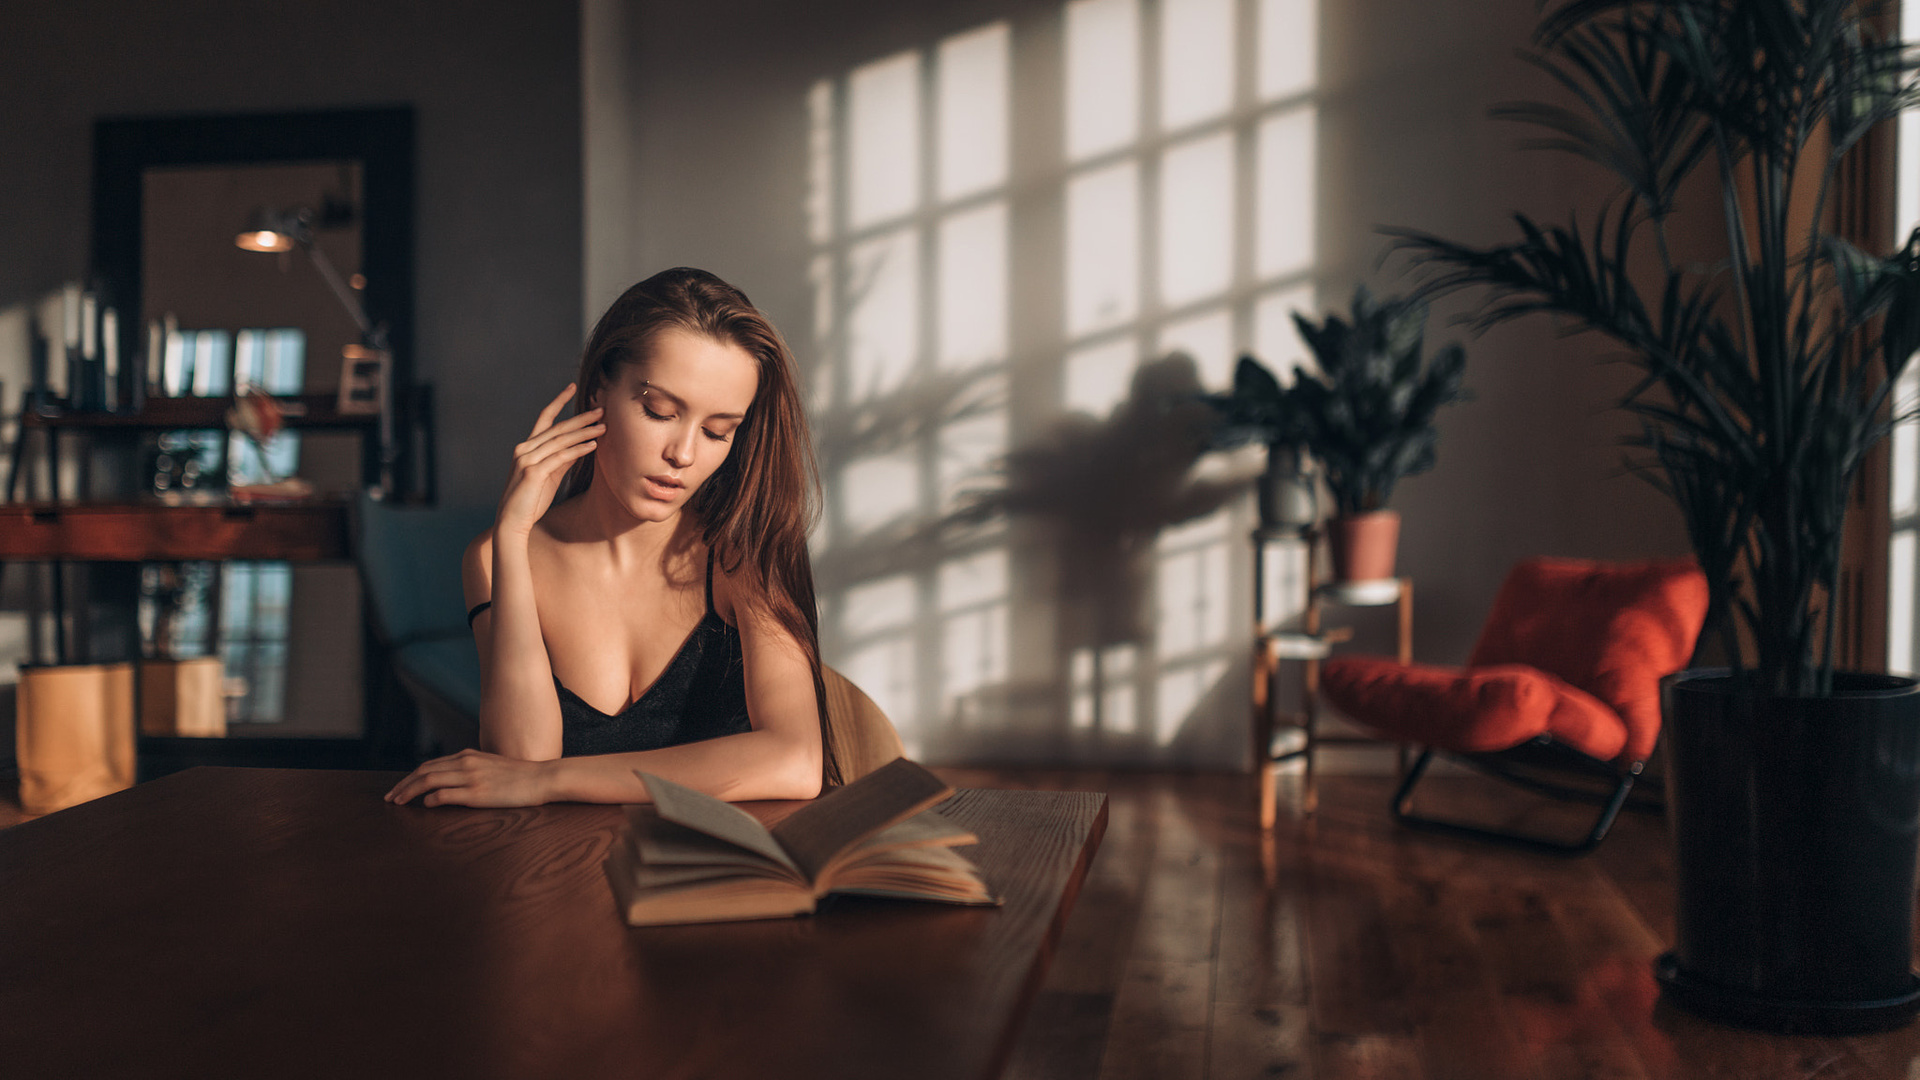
(752, 765)
(519, 708)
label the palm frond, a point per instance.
(1755, 414)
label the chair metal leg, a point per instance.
(1403, 813)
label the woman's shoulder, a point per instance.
(476, 568)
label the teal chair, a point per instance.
(410, 567)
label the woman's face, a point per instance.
(671, 420)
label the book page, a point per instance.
(924, 829)
(925, 873)
(706, 814)
(661, 846)
(843, 817)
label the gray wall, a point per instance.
(700, 147)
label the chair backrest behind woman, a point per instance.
(863, 737)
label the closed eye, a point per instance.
(713, 435)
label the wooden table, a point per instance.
(268, 922)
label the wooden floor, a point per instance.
(1342, 947)
(1346, 947)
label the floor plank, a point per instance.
(1343, 947)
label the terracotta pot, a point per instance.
(1363, 545)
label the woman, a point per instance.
(643, 600)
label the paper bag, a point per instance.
(73, 733)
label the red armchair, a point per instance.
(1566, 674)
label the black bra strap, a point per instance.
(477, 609)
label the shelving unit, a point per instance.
(197, 526)
(51, 526)
(168, 413)
(107, 518)
(300, 412)
(1308, 646)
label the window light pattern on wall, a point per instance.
(986, 267)
(908, 212)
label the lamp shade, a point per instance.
(268, 229)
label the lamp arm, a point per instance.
(332, 277)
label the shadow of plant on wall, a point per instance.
(1100, 493)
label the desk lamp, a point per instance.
(365, 382)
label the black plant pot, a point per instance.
(1795, 829)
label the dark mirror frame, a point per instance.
(381, 139)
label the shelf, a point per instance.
(1361, 593)
(154, 532)
(167, 413)
(1284, 533)
(1294, 645)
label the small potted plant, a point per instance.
(1369, 417)
(1259, 409)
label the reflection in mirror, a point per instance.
(272, 321)
(192, 269)
(283, 642)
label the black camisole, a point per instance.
(700, 694)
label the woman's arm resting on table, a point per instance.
(779, 759)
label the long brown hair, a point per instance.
(756, 509)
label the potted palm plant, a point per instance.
(1259, 409)
(1369, 420)
(1768, 363)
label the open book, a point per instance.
(692, 858)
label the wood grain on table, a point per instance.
(291, 923)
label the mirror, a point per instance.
(268, 320)
(171, 195)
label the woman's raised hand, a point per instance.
(541, 461)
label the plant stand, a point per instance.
(1309, 645)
